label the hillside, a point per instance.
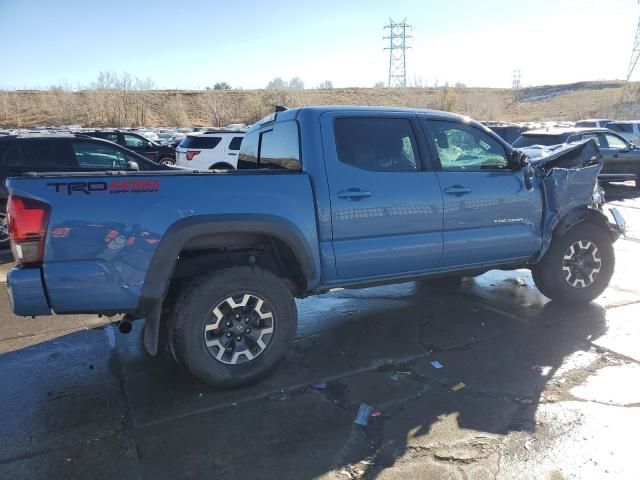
(221, 107)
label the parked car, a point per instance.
(163, 154)
(509, 132)
(20, 154)
(621, 157)
(627, 129)
(209, 150)
(593, 123)
(324, 197)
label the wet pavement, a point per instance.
(550, 391)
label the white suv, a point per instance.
(628, 129)
(213, 149)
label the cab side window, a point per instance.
(99, 156)
(377, 144)
(615, 142)
(465, 148)
(235, 142)
(134, 141)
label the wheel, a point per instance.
(4, 231)
(231, 328)
(167, 161)
(578, 266)
(450, 282)
(222, 166)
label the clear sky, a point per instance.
(193, 44)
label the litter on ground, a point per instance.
(364, 412)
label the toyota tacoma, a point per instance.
(323, 197)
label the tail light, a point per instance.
(191, 154)
(27, 220)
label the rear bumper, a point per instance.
(26, 292)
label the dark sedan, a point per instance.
(621, 157)
(163, 154)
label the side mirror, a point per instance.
(133, 165)
(632, 146)
(150, 144)
(519, 159)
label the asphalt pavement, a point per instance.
(521, 388)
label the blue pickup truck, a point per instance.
(323, 197)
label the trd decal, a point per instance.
(115, 187)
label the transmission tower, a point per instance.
(397, 52)
(635, 54)
(515, 84)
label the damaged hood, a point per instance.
(573, 155)
(569, 180)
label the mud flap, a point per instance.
(152, 330)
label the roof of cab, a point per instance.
(293, 113)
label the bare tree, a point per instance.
(222, 86)
(296, 83)
(216, 106)
(447, 100)
(277, 84)
(175, 112)
(326, 85)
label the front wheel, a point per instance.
(230, 328)
(167, 161)
(578, 266)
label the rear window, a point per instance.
(529, 140)
(620, 127)
(197, 141)
(274, 147)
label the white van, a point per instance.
(212, 149)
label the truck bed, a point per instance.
(104, 229)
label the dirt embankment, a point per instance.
(220, 107)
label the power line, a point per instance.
(397, 52)
(635, 53)
(515, 85)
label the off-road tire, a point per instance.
(553, 281)
(191, 313)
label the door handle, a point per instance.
(353, 194)
(457, 190)
(233, 154)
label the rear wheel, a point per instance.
(578, 266)
(222, 166)
(231, 328)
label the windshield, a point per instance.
(529, 140)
